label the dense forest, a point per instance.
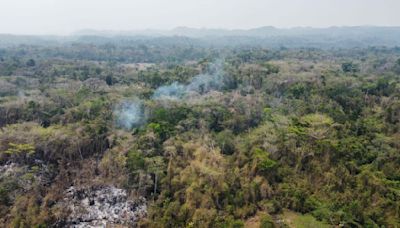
(171, 133)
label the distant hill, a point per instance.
(332, 37)
(266, 31)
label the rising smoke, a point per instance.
(175, 91)
(200, 84)
(132, 113)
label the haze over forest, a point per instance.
(184, 113)
(64, 17)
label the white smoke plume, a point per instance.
(201, 84)
(130, 114)
(175, 91)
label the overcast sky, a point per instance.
(65, 16)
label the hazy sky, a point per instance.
(66, 16)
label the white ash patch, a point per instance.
(9, 170)
(26, 175)
(102, 206)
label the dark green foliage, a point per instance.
(164, 120)
(299, 90)
(4, 198)
(135, 161)
(109, 80)
(31, 63)
(170, 115)
(349, 67)
(266, 222)
(225, 141)
(264, 163)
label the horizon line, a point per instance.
(76, 32)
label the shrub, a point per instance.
(266, 222)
